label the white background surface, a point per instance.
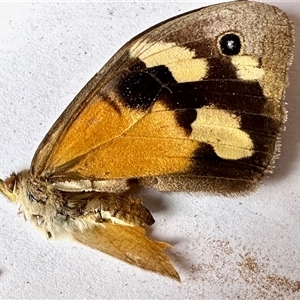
(223, 248)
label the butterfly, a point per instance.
(195, 103)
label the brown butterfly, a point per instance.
(193, 104)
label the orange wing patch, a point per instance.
(132, 143)
(100, 122)
(125, 143)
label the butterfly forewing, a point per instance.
(177, 100)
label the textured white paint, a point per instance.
(48, 52)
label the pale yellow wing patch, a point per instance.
(180, 61)
(221, 130)
(129, 244)
(247, 67)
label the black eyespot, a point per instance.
(230, 44)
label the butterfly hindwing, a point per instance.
(129, 244)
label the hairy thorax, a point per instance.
(45, 207)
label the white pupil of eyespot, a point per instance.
(230, 44)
